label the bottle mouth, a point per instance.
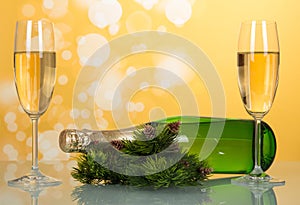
(70, 141)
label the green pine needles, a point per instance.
(151, 158)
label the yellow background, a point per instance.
(212, 25)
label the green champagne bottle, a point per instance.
(230, 149)
(226, 144)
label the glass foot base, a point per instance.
(258, 182)
(33, 181)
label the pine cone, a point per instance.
(149, 132)
(204, 171)
(174, 127)
(117, 144)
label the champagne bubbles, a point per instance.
(104, 13)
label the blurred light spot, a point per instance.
(162, 28)
(55, 8)
(138, 21)
(131, 71)
(144, 85)
(83, 3)
(99, 113)
(113, 29)
(74, 113)
(12, 127)
(182, 138)
(50, 154)
(10, 173)
(63, 79)
(139, 47)
(71, 126)
(58, 127)
(29, 141)
(86, 126)
(139, 107)
(10, 151)
(45, 144)
(178, 11)
(179, 71)
(28, 10)
(82, 97)
(20, 136)
(29, 157)
(85, 114)
(92, 88)
(108, 94)
(66, 55)
(48, 4)
(102, 123)
(88, 49)
(105, 12)
(60, 42)
(20, 109)
(12, 168)
(48, 144)
(130, 106)
(10, 117)
(57, 99)
(147, 4)
(8, 93)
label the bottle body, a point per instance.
(226, 144)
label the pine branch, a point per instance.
(164, 164)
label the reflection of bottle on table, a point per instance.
(215, 191)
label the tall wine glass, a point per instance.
(34, 70)
(258, 73)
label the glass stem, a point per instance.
(257, 171)
(35, 165)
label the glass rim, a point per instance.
(43, 20)
(259, 21)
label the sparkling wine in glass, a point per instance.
(34, 70)
(258, 73)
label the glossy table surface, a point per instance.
(217, 190)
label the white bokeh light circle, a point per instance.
(103, 13)
(138, 21)
(178, 11)
(55, 8)
(87, 47)
(62, 80)
(147, 4)
(66, 55)
(28, 10)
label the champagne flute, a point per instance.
(34, 70)
(258, 73)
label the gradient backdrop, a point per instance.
(82, 26)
